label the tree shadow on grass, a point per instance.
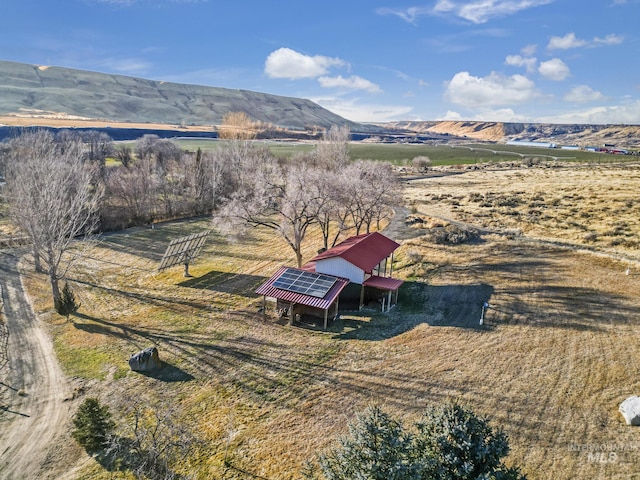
(233, 283)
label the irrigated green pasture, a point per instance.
(401, 154)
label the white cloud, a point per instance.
(409, 15)
(564, 43)
(611, 39)
(492, 90)
(500, 115)
(287, 63)
(353, 110)
(529, 50)
(451, 115)
(614, 114)
(582, 94)
(481, 11)
(571, 41)
(477, 11)
(554, 69)
(129, 66)
(351, 83)
(519, 61)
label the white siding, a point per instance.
(339, 267)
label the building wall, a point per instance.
(339, 267)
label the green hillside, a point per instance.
(119, 98)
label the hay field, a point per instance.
(557, 354)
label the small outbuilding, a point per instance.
(300, 292)
(354, 272)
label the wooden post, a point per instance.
(391, 266)
(389, 301)
(326, 313)
(361, 298)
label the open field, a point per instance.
(450, 154)
(592, 206)
(552, 363)
(62, 121)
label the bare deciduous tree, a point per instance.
(54, 197)
(332, 151)
(237, 126)
(333, 212)
(151, 441)
(371, 193)
(134, 189)
(279, 199)
(124, 153)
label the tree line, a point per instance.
(61, 187)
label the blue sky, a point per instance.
(560, 61)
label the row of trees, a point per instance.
(320, 188)
(59, 188)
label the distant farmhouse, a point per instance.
(348, 276)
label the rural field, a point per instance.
(557, 259)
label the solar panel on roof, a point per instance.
(307, 283)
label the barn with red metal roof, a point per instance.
(364, 263)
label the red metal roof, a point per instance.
(267, 289)
(364, 251)
(383, 283)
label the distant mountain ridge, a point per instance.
(565, 134)
(78, 94)
(69, 95)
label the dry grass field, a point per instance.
(557, 354)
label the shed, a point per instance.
(366, 260)
(364, 263)
(298, 292)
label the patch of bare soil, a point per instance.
(33, 417)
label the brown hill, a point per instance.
(563, 134)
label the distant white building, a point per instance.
(523, 143)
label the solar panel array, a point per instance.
(183, 249)
(307, 283)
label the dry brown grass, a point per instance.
(49, 119)
(591, 206)
(554, 360)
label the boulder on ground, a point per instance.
(630, 410)
(145, 360)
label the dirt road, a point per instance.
(32, 412)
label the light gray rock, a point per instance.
(630, 410)
(146, 360)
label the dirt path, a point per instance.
(32, 414)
